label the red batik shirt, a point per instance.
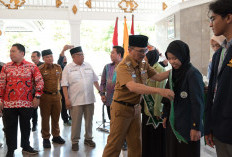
(17, 82)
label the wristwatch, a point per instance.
(37, 97)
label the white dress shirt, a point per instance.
(80, 80)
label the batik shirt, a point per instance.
(16, 84)
(108, 80)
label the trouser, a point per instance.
(176, 149)
(76, 114)
(50, 106)
(11, 116)
(64, 112)
(125, 123)
(35, 116)
(108, 112)
(223, 149)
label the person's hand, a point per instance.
(209, 140)
(165, 62)
(66, 47)
(103, 98)
(195, 135)
(35, 102)
(68, 104)
(164, 122)
(167, 93)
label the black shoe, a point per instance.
(46, 143)
(68, 123)
(58, 140)
(10, 153)
(124, 146)
(34, 128)
(30, 151)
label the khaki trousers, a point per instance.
(125, 124)
(76, 114)
(223, 149)
(50, 106)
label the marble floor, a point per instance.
(56, 150)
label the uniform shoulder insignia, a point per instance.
(57, 65)
(128, 63)
(41, 66)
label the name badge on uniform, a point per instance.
(73, 70)
(57, 72)
(143, 72)
(183, 94)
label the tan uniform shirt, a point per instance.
(51, 75)
(129, 70)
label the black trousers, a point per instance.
(64, 113)
(176, 149)
(153, 140)
(11, 117)
(35, 116)
(108, 112)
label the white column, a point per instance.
(75, 23)
(3, 47)
(75, 28)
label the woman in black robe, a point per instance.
(183, 117)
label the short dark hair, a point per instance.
(119, 50)
(37, 53)
(20, 47)
(221, 7)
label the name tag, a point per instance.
(73, 70)
(133, 75)
(143, 72)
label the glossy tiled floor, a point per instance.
(65, 150)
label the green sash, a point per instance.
(172, 116)
(149, 103)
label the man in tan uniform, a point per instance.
(132, 74)
(50, 104)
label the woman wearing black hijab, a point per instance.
(153, 134)
(183, 116)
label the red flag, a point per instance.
(132, 26)
(115, 37)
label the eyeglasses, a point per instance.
(215, 45)
(143, 51)
(211, 19)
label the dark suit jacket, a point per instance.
(40, 63)
(218, 113)
(188, 109)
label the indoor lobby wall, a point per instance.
(192, 27)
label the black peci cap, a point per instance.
(138, 40)
(46, 52)
(76, 50)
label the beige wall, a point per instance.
(192, 27)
